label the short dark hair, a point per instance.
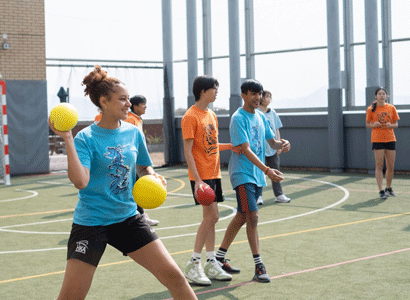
(265, 92)
(203, 83)
(251, 85)
(136, 100)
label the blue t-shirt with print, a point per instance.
(254, 129)
(111, 156)
(275, 124)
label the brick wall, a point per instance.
(23, 22)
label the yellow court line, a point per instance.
(239, 242)
(37, 213)
(179, 188)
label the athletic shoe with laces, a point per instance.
(195, 273)
(389, 192)
(260, 274)
(227, 267)
(150, 221)
(259, 201)
(282, 199)
(213, 270)
(382, 195)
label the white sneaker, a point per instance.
(213, 269)
(151, 222)
(282, 199)
(259, 201)
(195, 273)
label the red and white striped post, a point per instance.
(5, 134)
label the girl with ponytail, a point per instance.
(382, 118)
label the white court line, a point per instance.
(346, 195)
(4, 228)
(190, 225)
(34, 194)
(36, 250)
(56, 183)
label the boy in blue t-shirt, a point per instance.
(271, 155)
(249, 129)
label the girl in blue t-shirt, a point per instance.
(103, 161)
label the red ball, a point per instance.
(206, 196)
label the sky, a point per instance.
(132, 30)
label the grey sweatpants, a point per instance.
(273, 162)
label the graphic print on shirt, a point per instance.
(120, 182)
(210, 142)
(383, 117)
(255, 140)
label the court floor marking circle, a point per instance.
(346, 192)
(346, 195)
(33, 194)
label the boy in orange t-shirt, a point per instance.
(382, 117)
(201, 147)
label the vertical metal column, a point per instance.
(349, 72)
(334, 94)
(372, 67)
(207, 36)
(387, 48)
(249, 39)
(235, 100)
(192, 47)
(171, 143)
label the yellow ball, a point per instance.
(64, 116)
(149, 192)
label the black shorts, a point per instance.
(387, 146)
(216, 185)
(88, 243)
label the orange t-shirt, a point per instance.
(132, 118)
(382, 114)
(202, 127)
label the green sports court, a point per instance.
(334, 240)
(321, 60)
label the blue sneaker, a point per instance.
(389, 192)
(260, 274)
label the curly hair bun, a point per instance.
(98, 84)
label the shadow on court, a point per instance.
(365, 204)
(309, 191)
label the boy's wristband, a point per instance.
(267, 169)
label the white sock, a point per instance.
(210, 255)
(196, 256)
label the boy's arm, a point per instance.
(226, 146)
(191, 163)
(282, 144)
(279, 151)
(273, 174)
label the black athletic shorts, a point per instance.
(216, 185)
(88, 243)
(387, 146)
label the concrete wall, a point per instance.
(309, 139)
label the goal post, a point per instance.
(4, 140)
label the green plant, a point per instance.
(154, 140)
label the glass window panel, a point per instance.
(400, 19)
(296, 79)
(401, 73)
(289, 24)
